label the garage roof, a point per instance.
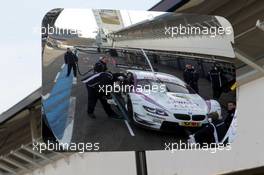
(243, 15)
(19, 107)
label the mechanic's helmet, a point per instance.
(215, 112)
(213, 116)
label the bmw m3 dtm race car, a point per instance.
(159, 100)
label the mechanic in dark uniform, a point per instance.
(100, 78)
(71, 60)
(231, 108)
(191, 77)
(187, 74)
(216, 129)
(101, 65)
(212, 132)
(216, 81)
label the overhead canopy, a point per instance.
(20, 106)
(243, 16)
(174, 32)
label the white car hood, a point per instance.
(177, 102)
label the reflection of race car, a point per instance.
(159, 101)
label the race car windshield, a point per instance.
(172, 87)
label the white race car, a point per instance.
(159, 101)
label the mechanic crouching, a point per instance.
(217, 130)
(101, 65)
(96, 85)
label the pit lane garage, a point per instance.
(163, 66)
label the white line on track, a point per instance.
(129, 128)
(57, 76)
(74, 80)
(67, 136)
(62, 66)
(45, 97)
(86, 58)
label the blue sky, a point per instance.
(20, 71)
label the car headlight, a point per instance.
(155, 111)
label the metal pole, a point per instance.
(129, 18)
(8, 169)
(145, 55)
(246, 59)
(141, 163)
(15, 163)
(25, 158)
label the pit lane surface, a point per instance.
(112, 134)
